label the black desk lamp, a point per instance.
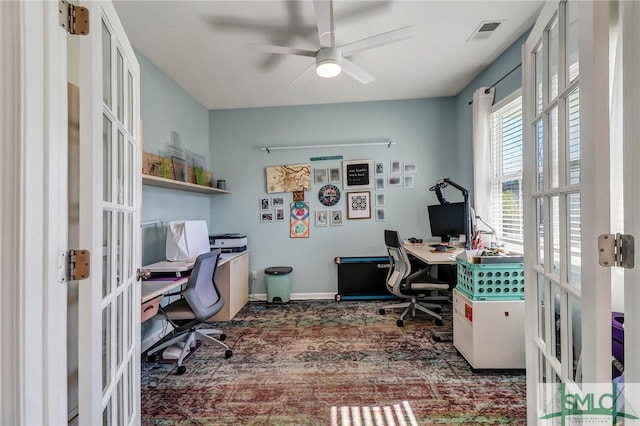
(439, 190)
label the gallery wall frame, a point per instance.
(322, 218)
(357, 174)
(336, 218)
(359, 205)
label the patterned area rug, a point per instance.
(295, 363)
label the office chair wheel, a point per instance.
(437, 310)
(222, 337)
(400, 323)
(228, 353)
(381, 311)
(152, 358)
(438, 322)
(436, 338)
(181, 370)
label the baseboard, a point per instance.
(262, 297)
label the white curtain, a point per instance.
(482, 161)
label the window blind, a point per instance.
(506, 215)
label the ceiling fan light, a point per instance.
(328, 69)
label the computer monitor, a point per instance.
(447, 220)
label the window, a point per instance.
(505, 214)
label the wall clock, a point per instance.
(329, 195)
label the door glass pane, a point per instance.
(119, 329)
(120, 88)
(554, 48)
(575, 346)
(106, 347)
(544, 391)
(130, 176)
(573, 66)
(575, 243)
(106, 252)
(130, 245)
(129, 329)
(553, 146)
(120, 401)
(573, 129)
(106, 158)
(554, 223)
(131, 393)
(106, 415)
(120, 248)
(106, 66)
(539, 63)
(542, 295)
(120, 177)
(539, 131)
(540, 221)
(557, 322)
(130, 111)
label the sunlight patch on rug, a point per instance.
(397, 414)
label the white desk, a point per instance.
(428, 255)
(232, 279)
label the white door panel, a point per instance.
(109, 306)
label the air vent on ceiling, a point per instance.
(484, 30)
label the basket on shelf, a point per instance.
(175, 169)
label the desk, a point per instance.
(232, 279)
(425, 254)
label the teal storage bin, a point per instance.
(278, 279)
(491, 281)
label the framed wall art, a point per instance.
(359, 205)
(336, 217)
(322, 217)
(357, 174)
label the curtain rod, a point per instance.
(275, 148)
(498, 82)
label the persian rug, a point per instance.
(320, 362)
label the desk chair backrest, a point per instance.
(201, 292)
(400, 265)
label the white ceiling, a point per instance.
(203, 47)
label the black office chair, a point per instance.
(200, 301)
(402, 283)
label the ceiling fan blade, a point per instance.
(324, 21)
(375, 41)
(304, 73)
(356, 72)
(282, 50)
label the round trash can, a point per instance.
(278, 280)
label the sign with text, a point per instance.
(357, 174)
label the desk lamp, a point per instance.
(438, 188)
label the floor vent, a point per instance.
(397, 414)
(485, 30)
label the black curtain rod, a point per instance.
(498, 82)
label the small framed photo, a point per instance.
(322, 217)
(277, 201)
(381, 183)
(279, 213)
(380, 216)
(336, 217)
(335, 174)
(264, 204)
(319, 176)
(359, 205)
(395, 180)
(357, 174)
(379, 200)
(266, 217)
(408, 182)
(395, 167)
(380, 168)
(410, 167)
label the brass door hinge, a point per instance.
(616, 250)
(75, 19)
(74, 265)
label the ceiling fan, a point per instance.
(331, 60)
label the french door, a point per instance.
(109, 303)
(567, 178)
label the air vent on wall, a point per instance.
(484, 30)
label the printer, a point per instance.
(228, 243)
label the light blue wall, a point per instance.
(464, 110)
(425, 133)
(165, 107)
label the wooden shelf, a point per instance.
(182, 186)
